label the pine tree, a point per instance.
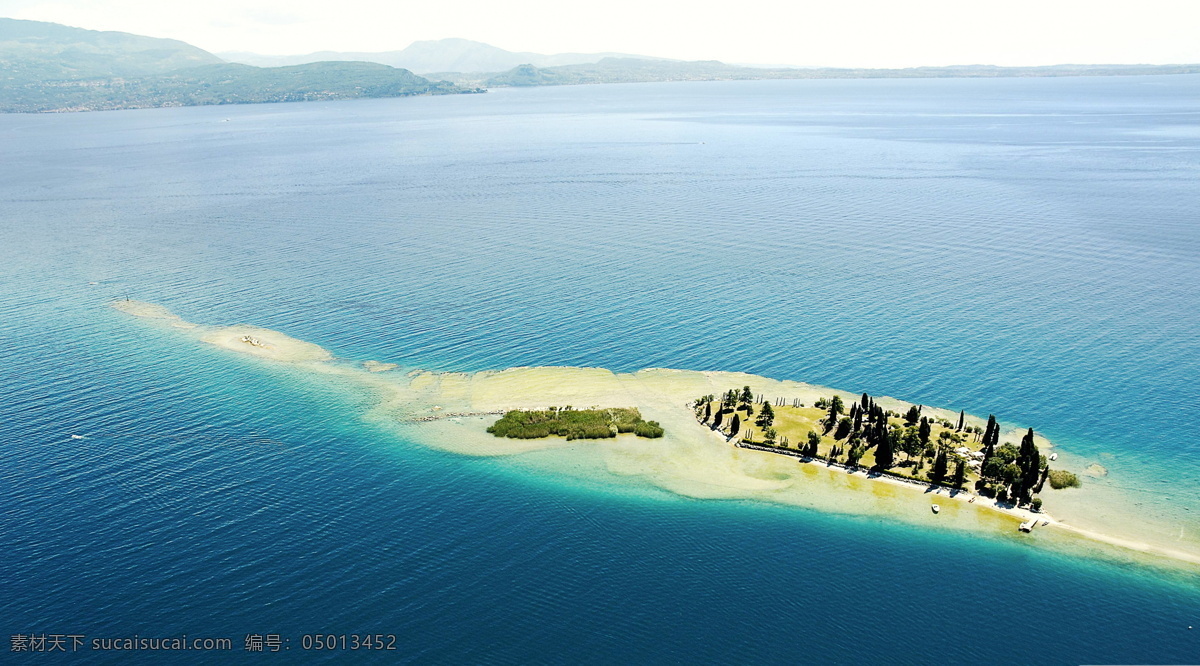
(765, 417)
(747, 397)
(735, 426)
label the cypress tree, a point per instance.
(960, 474)
(735, 426)
(1029, 460)
(1042, 481)
(923, 433)
(884, 453)
(866, 401)
(962, 416)
(707, 412)
(717, 421)
(939, 468)
(990, 435)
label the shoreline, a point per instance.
(447, 409)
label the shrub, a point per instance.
(1061, 478)
(574, 424)
(1036, 504)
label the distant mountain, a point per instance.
(36, 51)
(442, 55)
(51, 67)
(635, 70)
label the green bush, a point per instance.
(574, 424)
(1061, 478)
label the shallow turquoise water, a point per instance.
(1025, 247)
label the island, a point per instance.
(687, 434)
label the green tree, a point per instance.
(747, 396)
(769, 435)
(938, 473)
(730, 400)
(991, 436)
(814, 440)
(910, 442)
(766, 416)
(836, 407)
(913, 415)
(884, 453)
(1029, 462)
(1042, 482)
(992, 469)
(924, 431)
(843, 428)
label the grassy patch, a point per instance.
(574, 423)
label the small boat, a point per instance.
(971, 500)
(1026, 527)
(1045, 523)
(936, 508)
(1053, 456)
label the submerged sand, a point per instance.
(450, 411)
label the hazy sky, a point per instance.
(891, 33)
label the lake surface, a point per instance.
(1027, 247)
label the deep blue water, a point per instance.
(1023, 247)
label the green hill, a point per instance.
(51, 67)
(33, 51)
(225, 83)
